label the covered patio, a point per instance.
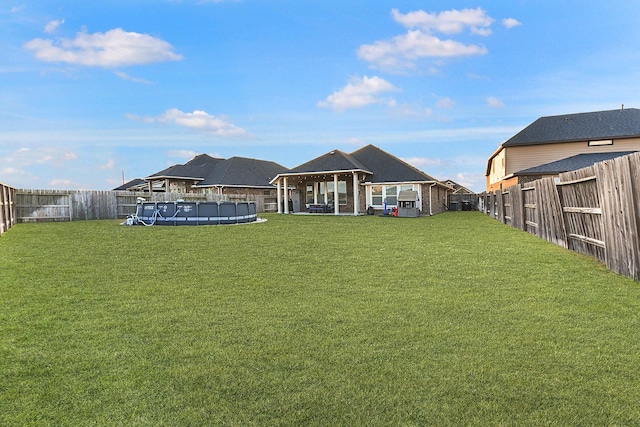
(337, 193)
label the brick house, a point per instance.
(368, 180)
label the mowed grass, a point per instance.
(454, 319)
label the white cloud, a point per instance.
(200, 120)
(63, 184)
(472, 181)
(355, 141)
(108, 165)
(360, 92)
(420, 162)
(404, 50)
(182, 154)
(445, 103)
(125, 76)
(115, 48)
(70, 156)
(447, 22)
(52, 26)
(511, 22)
(414, 111)
(494, 102)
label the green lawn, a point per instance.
(454, 319)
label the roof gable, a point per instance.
(388, 168)
(137, 182)
(623, 123)
(333, 161)
(458, 189)
(197, 168)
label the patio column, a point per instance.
(336, 198)
(325, 187)
(279, 196)
(286, 195)
(356, 193)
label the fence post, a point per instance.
(3, 216)
(7, 208)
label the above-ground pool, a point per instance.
(193, 213)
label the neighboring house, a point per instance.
(462, 198)
(554, 138)
(182, 178)
(137, 184)
(457, 188)
(368, 180)
(237, 178)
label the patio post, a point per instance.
(279, 196)
(356, 194)
(336, 201)
(286, 195)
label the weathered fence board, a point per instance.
(514, 207)
(499, 206)
(550, 219)
(530, 211)
(7, 208)
(595, 211)
(578, 191)
(619, 193)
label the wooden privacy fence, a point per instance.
(60, 205)
(594, 211)
(7, 208)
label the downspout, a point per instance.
(430, 202)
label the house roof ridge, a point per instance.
(570, 127)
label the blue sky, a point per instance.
(90, 91)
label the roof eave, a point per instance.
(233, 186)
(154, 178)
(568, 141)
(288, 174)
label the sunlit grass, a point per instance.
(310, 320)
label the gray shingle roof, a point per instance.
(197, 168)
(236, 171)
(622, 123)
(133, 183)
(335, 160)
(380, 165)
(388, 168)
(572, 163)
(242, 172)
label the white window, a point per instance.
(317, 190)
(600, 142)
(377, 195)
